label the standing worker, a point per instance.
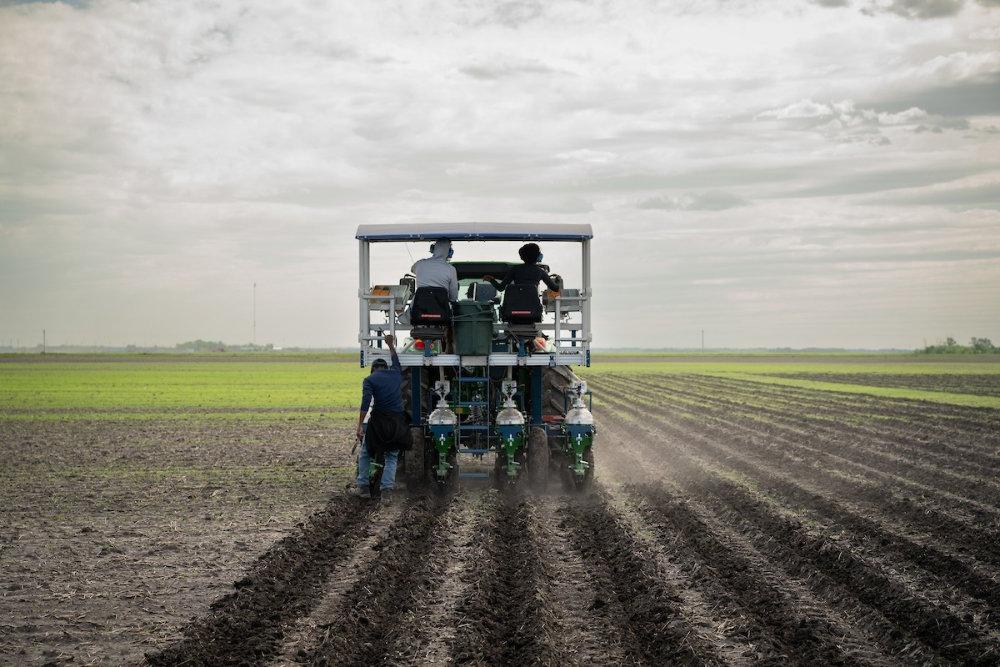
(387, 431)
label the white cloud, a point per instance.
(159, 155)
(697, 201)
(800, 109)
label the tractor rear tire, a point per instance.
(414, 466)
(538, 460)
(555, 389)
(426, 399)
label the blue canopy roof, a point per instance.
(475, 231)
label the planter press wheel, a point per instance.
(575, 484)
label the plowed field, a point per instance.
(732, 522)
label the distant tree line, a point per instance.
(218, 346)
(951, 346)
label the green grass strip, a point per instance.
(948, 398)
(715, 367)
(337, 417)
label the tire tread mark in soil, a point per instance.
(372, 611)
(502, 618)
(247, 626)
(628, 591)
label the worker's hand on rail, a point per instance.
(390, 340)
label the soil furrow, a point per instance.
(979, 513)
(578, 635)
(776, 617)
(247, 626)
(860, 632)
(834, 571)
(793, 629)
(961, 428)
(880, 540)
(963, 535)
(952, 429)
(894, 443)
(363, 629)
(432, 623)
(982, 491)
(502, 621)
(629, 592)
(306, 630)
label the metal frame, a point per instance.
(570, 351)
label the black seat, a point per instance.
(521, 305)
(430, 307)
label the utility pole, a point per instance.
(253, 316)
(43, 341)
(702, 340)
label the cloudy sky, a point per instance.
(789, 173)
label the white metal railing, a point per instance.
(571, 340)
(570, 349)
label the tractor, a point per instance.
(489, 379)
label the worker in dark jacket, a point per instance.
(387, 431)
(528, 274)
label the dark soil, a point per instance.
(246, 626)
(731, 523)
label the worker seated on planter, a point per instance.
(521, 304)
(436, 289)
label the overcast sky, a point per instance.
(778, 173)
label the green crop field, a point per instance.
(317, 387)
(143, 389)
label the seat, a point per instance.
(521, 305)
(430, 307)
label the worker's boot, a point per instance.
(362, 492)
